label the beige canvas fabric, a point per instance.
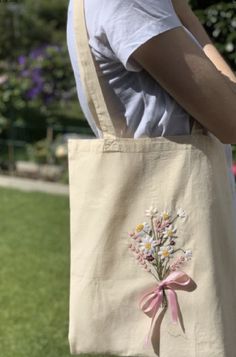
(113, 181)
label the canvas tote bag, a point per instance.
(153, 238)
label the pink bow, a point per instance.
(151, 301)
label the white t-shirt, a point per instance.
(116, 28)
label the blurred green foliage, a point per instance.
(203, 4)
(28, 24)
(37, 85)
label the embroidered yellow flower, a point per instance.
(165, 215)
(139, 227)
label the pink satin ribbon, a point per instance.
(151, 301)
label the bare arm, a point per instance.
(184, 70)
(193, 24)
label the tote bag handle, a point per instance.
(90, 80)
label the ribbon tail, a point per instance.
(154, 317)
(172, 298)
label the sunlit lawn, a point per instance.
(34, 274)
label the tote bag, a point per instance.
(153, 238)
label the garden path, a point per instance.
(26, 184)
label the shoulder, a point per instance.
(129, 24)
(118, 27)
(108, 10)
(153, 8)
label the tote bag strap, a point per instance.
(90, 80)
(88, 74)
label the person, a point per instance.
(158, 70)
(160, 67)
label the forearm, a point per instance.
(216, 58)
(213, 54)
(193, 24)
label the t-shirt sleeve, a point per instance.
(130, 23)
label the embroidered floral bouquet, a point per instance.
(156, 248)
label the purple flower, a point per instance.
(37, 52)
(33, 92)
(36, 75)
(22, 60)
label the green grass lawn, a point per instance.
(34, 274)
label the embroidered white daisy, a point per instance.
(152, 211)
(181, 213)
(169, 231)
(188, 254)
(166, 252)
(165, 215)
(148, 244)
